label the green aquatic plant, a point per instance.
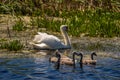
(95, 24)
(13, 45)
(90, 23)
(100, 20)
(19, 26)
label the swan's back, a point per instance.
(39, 37)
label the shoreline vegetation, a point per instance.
(22, 19)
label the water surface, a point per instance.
(39, 68)
(34, 66)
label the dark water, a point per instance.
(40, 69)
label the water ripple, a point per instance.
(40, 69)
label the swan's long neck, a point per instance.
(66, 38)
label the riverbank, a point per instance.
(104, 47)
(82, 43)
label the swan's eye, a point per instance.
(66, 28)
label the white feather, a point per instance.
(44, 40)
(48, 40)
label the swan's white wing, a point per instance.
(53, 42)
(50, 40)
(42, 33)
(39, 37)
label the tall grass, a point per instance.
(55, 7)
(91, 23)
(49, 24)
(96, 24)
(96, 18)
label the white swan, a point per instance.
(46, 41)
